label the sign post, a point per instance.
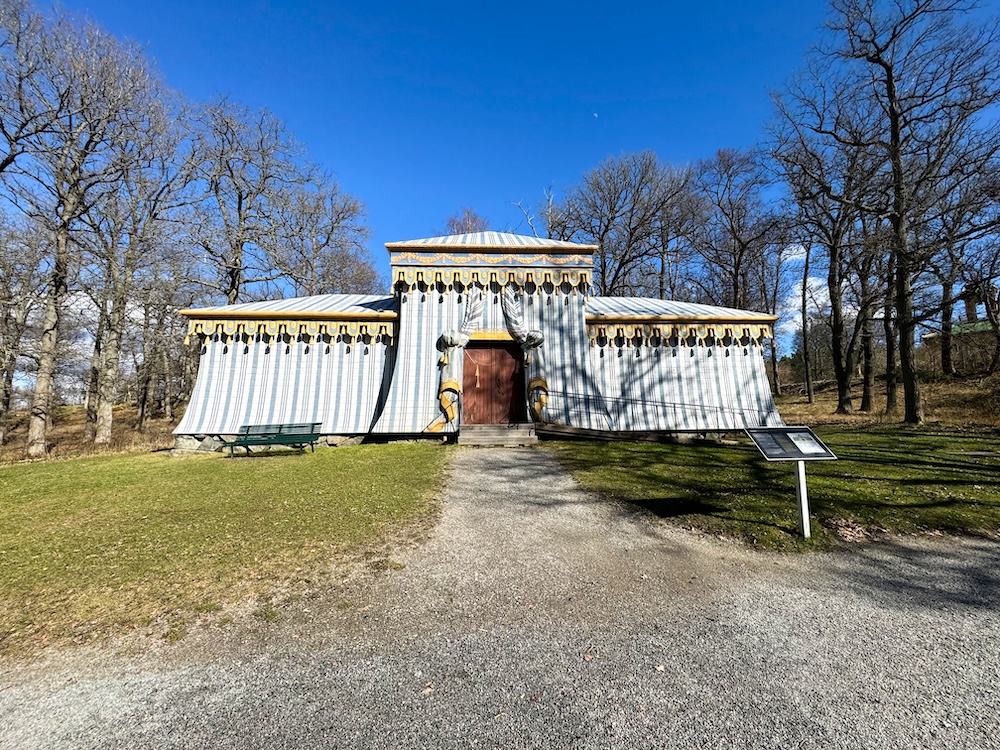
(798, 444)
(803, 496)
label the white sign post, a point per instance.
(798, 444)
(803, 495)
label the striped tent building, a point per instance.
(481, 328)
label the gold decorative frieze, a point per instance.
(303, 330)
(541, 280)
(485, 259)
(683, 333)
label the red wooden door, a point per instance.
(493, 384)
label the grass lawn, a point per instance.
(886, 478)
(105, 544)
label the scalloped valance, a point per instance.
(578, 281)
(647, 331)
(306, 330)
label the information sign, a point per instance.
(789, 444)
(797, 444)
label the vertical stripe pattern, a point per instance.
(681, 388)
(412, 402)
(335, 383)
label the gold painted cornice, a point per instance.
(494, 246)
(633, 319)
(223, 314)
(483, 259)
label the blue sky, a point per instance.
(421, 109)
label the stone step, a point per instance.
(497, 435)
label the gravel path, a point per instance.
(538, 616)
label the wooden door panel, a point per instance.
(475, 394)
(492, 385)
(505, 372)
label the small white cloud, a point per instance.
(795, 253)
(595, 115)
(790, 312)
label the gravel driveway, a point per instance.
(536, 615)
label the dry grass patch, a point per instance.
(966, 403)
(68, 435)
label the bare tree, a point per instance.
(981, 285)
(126, 228)
(88, 82)
(737, 228)
(165, 367)
(618, 206)
(932, 75)
(97, 154)
(247, 159)
(956, 222)
(769, 274)
(678, 221)
(322, 244)
(887, 114)
(829, 180)
(29, 103)
(22, 249)
(466, 221)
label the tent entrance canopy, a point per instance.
(493, 383)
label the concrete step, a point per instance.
(512, 435)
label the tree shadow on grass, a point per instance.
(732, 485)
(674, 507)
(277, 452)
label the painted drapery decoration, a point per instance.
(450, 343)
(538, 389)
(514, 315)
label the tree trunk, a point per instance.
(38, 422)
(843, 361)
(913, 409)
(93, 383)
(806, 353)
(891, 382)
(168, 397)
(145, 372)
(14, 324)
(107, 386)
(41, 402)
(867, 364)
(947, 311)
(663, 273)
(7, 391)
(843, 357)
(889, 324)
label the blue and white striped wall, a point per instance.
(336, 383)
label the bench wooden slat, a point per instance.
(294, 434)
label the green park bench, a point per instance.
(295, 435)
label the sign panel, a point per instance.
(789, 444)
